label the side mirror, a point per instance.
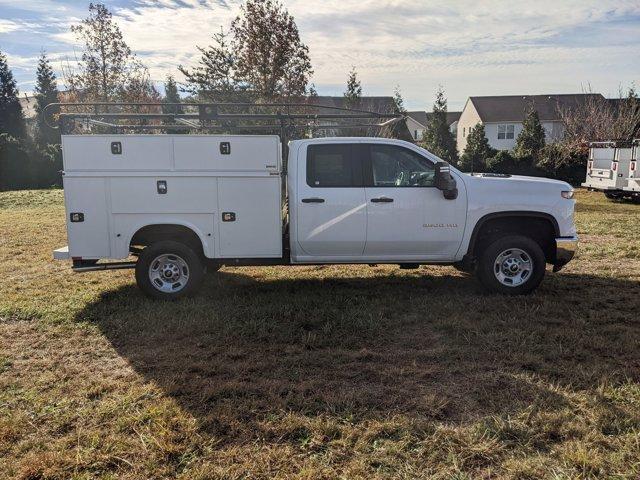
(444, 181)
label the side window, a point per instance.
(506, 132)
(333, 165)
(395, 166)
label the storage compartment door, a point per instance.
(227, 153)
(87, 217)
(250, 217)
(117, 152)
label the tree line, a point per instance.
(260, 58)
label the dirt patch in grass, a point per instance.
(319, 372)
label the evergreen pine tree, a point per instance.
(11, 117)
(531, 140)
(214, 77)
(353, 94)
(438, 139)
(399, 101)
(171, 95)
(46, 93)
(477, 151)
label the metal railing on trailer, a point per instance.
(288, 120)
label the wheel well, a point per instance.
(157, 233)
(539, 228)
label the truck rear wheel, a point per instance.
(169, 270)
(511, 265)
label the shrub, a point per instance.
(562, 163)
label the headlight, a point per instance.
(568, 194)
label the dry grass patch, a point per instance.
(319, 372)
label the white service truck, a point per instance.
(611, 167)
(633, 184)
(182, 204)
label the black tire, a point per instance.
(488, 272)
(178, 255)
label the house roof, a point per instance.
(513, 108)
(423, 117)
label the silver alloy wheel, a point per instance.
(513, 267)
(169, 273)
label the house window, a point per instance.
(506, 132)
(464, 131)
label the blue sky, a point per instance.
(486, 47)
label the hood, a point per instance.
(521, 179)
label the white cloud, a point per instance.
(7, 26)
(11, 26)
(37, 6)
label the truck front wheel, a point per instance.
(169, 270)
(511, 265)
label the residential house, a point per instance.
(503, 116)
(381, 104)
(417, 123)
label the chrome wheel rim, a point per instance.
(169, 273)
(513, 267)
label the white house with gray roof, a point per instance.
(503, 116)
(417, 123)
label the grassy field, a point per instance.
(318, 372)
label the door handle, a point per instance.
(313, 200)
(382, 200)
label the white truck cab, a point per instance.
(171, 206)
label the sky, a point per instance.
(479, 47)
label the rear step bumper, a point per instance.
(566, 248)
(61, 253)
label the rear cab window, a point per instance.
(334, 165)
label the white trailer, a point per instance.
(172, 206)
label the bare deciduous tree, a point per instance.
(107, 70)
(600, 119)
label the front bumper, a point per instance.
(566, 248)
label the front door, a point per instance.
(331, 210)
(407, 216)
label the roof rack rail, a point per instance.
(283, 118)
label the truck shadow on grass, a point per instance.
(430, 347)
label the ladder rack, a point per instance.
(283, 118)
